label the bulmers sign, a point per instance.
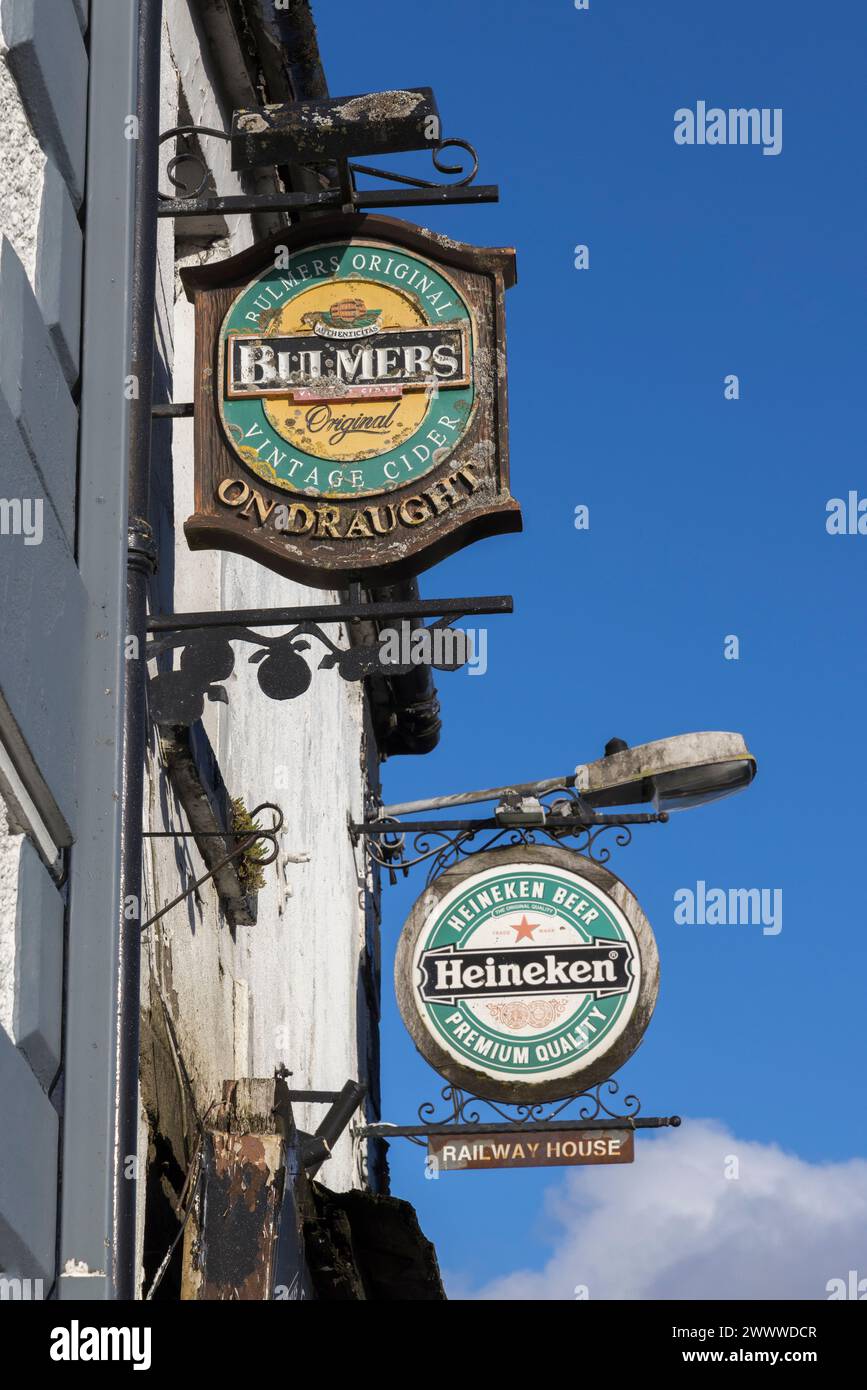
(351, 400)
(527, 973)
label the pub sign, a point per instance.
(350, 400)
(526, 974)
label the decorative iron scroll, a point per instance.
(189, 154)
(453, 847)
(395, 847)
(461, 1108)
(188, 135)
(246, 842)
(207, 658)
(466, 176)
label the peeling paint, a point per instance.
(78, 1269)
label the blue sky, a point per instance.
(707, 518)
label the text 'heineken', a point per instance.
(447, 974)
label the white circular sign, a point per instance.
(527, 973)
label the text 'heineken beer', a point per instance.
(350, 400)
(527, 973)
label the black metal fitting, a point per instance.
(141, 547)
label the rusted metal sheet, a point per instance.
(233, 1239)
(371, 123)
(240, 1217)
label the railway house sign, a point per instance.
(350, 400)
(526, 974)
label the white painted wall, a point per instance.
(285, 991)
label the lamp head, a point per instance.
(673, 773)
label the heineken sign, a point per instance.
(527, 973)
(351, 400)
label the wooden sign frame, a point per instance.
(372, 536)
(464, 905)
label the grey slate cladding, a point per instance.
(58, 271)
(35, 390)
(28, 1169)
(38, 965)
(47, 58)
(45, 609)
(47, 613)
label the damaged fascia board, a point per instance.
(287, 49)
(265, 54)
(335, 127)
(243, 1241)
(222, 29)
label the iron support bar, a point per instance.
(516, 822)
(443, 803)
(317, 1147)
(250, 838)
(333, 198)
(194, 887)
(427, 197)
(444, 843)
(386, 1131)
(332, 613)
(313, 1097)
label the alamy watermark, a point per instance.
(447, 648)
(22, 516)
(739, 125)
(852, 1287)
(15, 1289)
(846, 516)
(77, 1343)
(732, 907)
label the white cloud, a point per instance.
(673, 1226)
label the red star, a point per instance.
(525, 930)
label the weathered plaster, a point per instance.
(21, 173)
(286, 991)
(10, 850)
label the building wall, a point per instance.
(43, 599)
(299, 989)
(294, 990)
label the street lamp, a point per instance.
(673, 773)
(670, 774)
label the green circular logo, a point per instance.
(348, 371)
(529, 974)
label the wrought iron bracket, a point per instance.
(207, 657)
(415, 192)
(269, 833)
(517, 820)
(314, 1149)
(462, 1116)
